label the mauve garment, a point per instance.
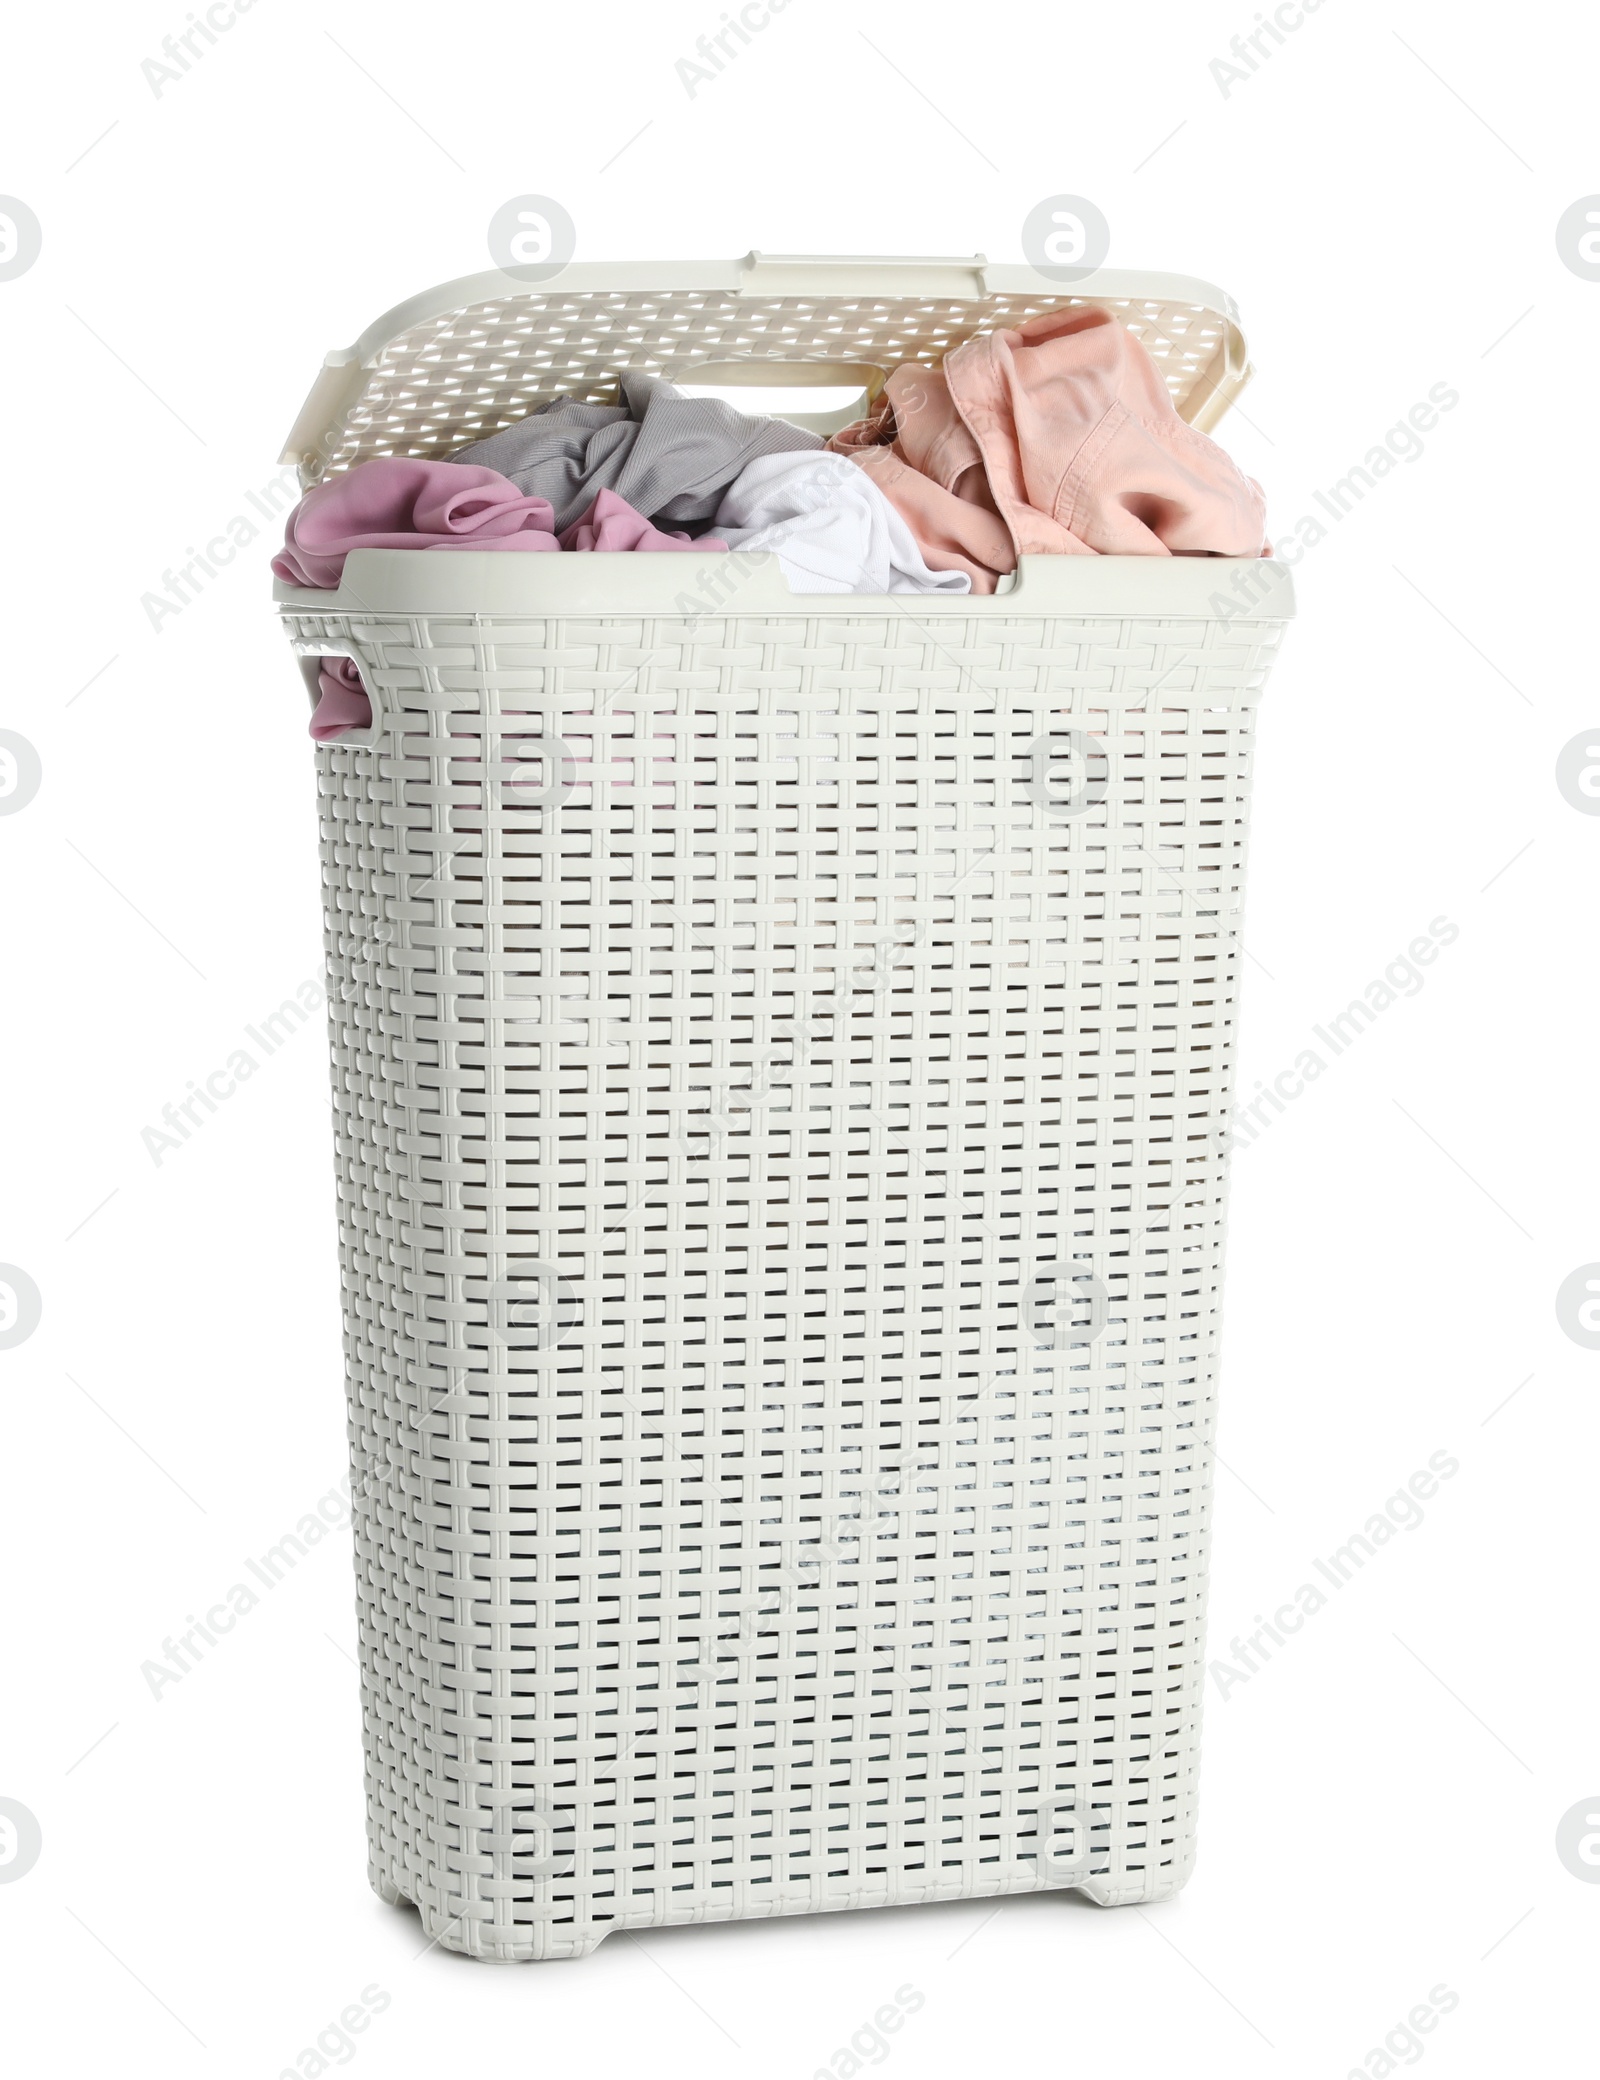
(341, 700)
(670, 456)
(1060, 438)
(379, 497)
(612, 525)
(405, 502)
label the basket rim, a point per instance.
(725, 584)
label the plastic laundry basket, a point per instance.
(782, 1052)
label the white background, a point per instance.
(1380, 1801)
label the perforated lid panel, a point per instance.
(477, 354)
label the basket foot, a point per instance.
(482, 1943)
(1134, 1892)
(479, 1940)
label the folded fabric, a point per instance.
(612, 525)
(670, 456)
(342, 700)
(830, 527)
(1062, 433)
(405, 502)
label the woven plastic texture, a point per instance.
(457, 377)
(781, 1067)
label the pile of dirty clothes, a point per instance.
(1055, 438)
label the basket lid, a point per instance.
(458, 362)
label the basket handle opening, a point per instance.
(821, 396)
(309, 652)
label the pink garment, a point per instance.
(917, 450)
(1063, 432)
(407, 502)
(612, 524)
(400, 502)
(343, 702)
(1083, 446)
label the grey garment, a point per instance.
(670, 456)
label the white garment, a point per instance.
(829, 525)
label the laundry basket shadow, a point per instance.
(782, 1057)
